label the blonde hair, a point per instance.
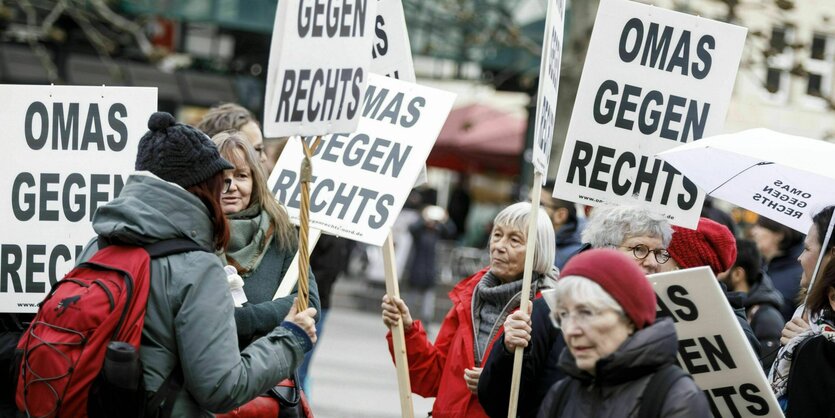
(230, 141)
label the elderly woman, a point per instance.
(605, 307)
(633, 230)
(796, 376)
(450, 368)
(262, 242)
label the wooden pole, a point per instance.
(525, 301)
(401, 361)
(305, 177)
(288, 282)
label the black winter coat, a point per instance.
(539, 368)
(762, 304)
(620, 379)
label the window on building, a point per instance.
(772, 79)
(819, 46)
(778, 39)
(814, 85)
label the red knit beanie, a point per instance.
(620, 277)
(711, 244)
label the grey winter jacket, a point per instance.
(190, 313)
(622, 376)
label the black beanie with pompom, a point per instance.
(177, 152)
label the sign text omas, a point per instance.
(67, 155)
(361, 180)
(652, 112)
(711, 345)
(365, 152)
(653, 79)
(53, 197)
(317, 73)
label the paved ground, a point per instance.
(352, 374)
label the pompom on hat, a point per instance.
(711, 244)
(177, 152)
(620, 277)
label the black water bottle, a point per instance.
(121, 366)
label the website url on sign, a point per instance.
(591, 199)
(27, 305)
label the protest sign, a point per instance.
(391, 54)
(653, 79)
(361, 180)
(68, 150)
(549, 81)
(317, 69)
(712, 346)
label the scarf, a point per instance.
(251, 232)
(778, 376)
(493, 301)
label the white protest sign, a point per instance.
(653, 79)
(392, 52)
(361, 180)
(318, 66)
(549, 81)
(712, 346)
(68, 150)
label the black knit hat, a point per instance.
(177, 152)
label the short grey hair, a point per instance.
(612, 225)
(516, 217)
(582, 290)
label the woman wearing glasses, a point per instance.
(262, 239)
(633, 230)
(619, 360)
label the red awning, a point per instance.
(479, 138)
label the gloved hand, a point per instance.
(236, 285)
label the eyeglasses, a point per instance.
(227, 184)
(580, 317)
(641, 252)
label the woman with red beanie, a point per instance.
(713, 245)
(605, 306)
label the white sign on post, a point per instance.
(712, 346)
(362, 179)
(391, 54)
(653, 79)
(549, 82)
(317, 73)
(68, 150)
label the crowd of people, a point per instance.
(593, 342)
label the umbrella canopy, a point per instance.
(783, 177)
(480, 138)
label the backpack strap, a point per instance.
(655, 392)
(166, 395)
(172, 246)
(561, 398)
(162, 248)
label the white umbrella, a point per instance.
(783, 177)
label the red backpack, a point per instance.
(99, 301)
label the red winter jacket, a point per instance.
(438, 370)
